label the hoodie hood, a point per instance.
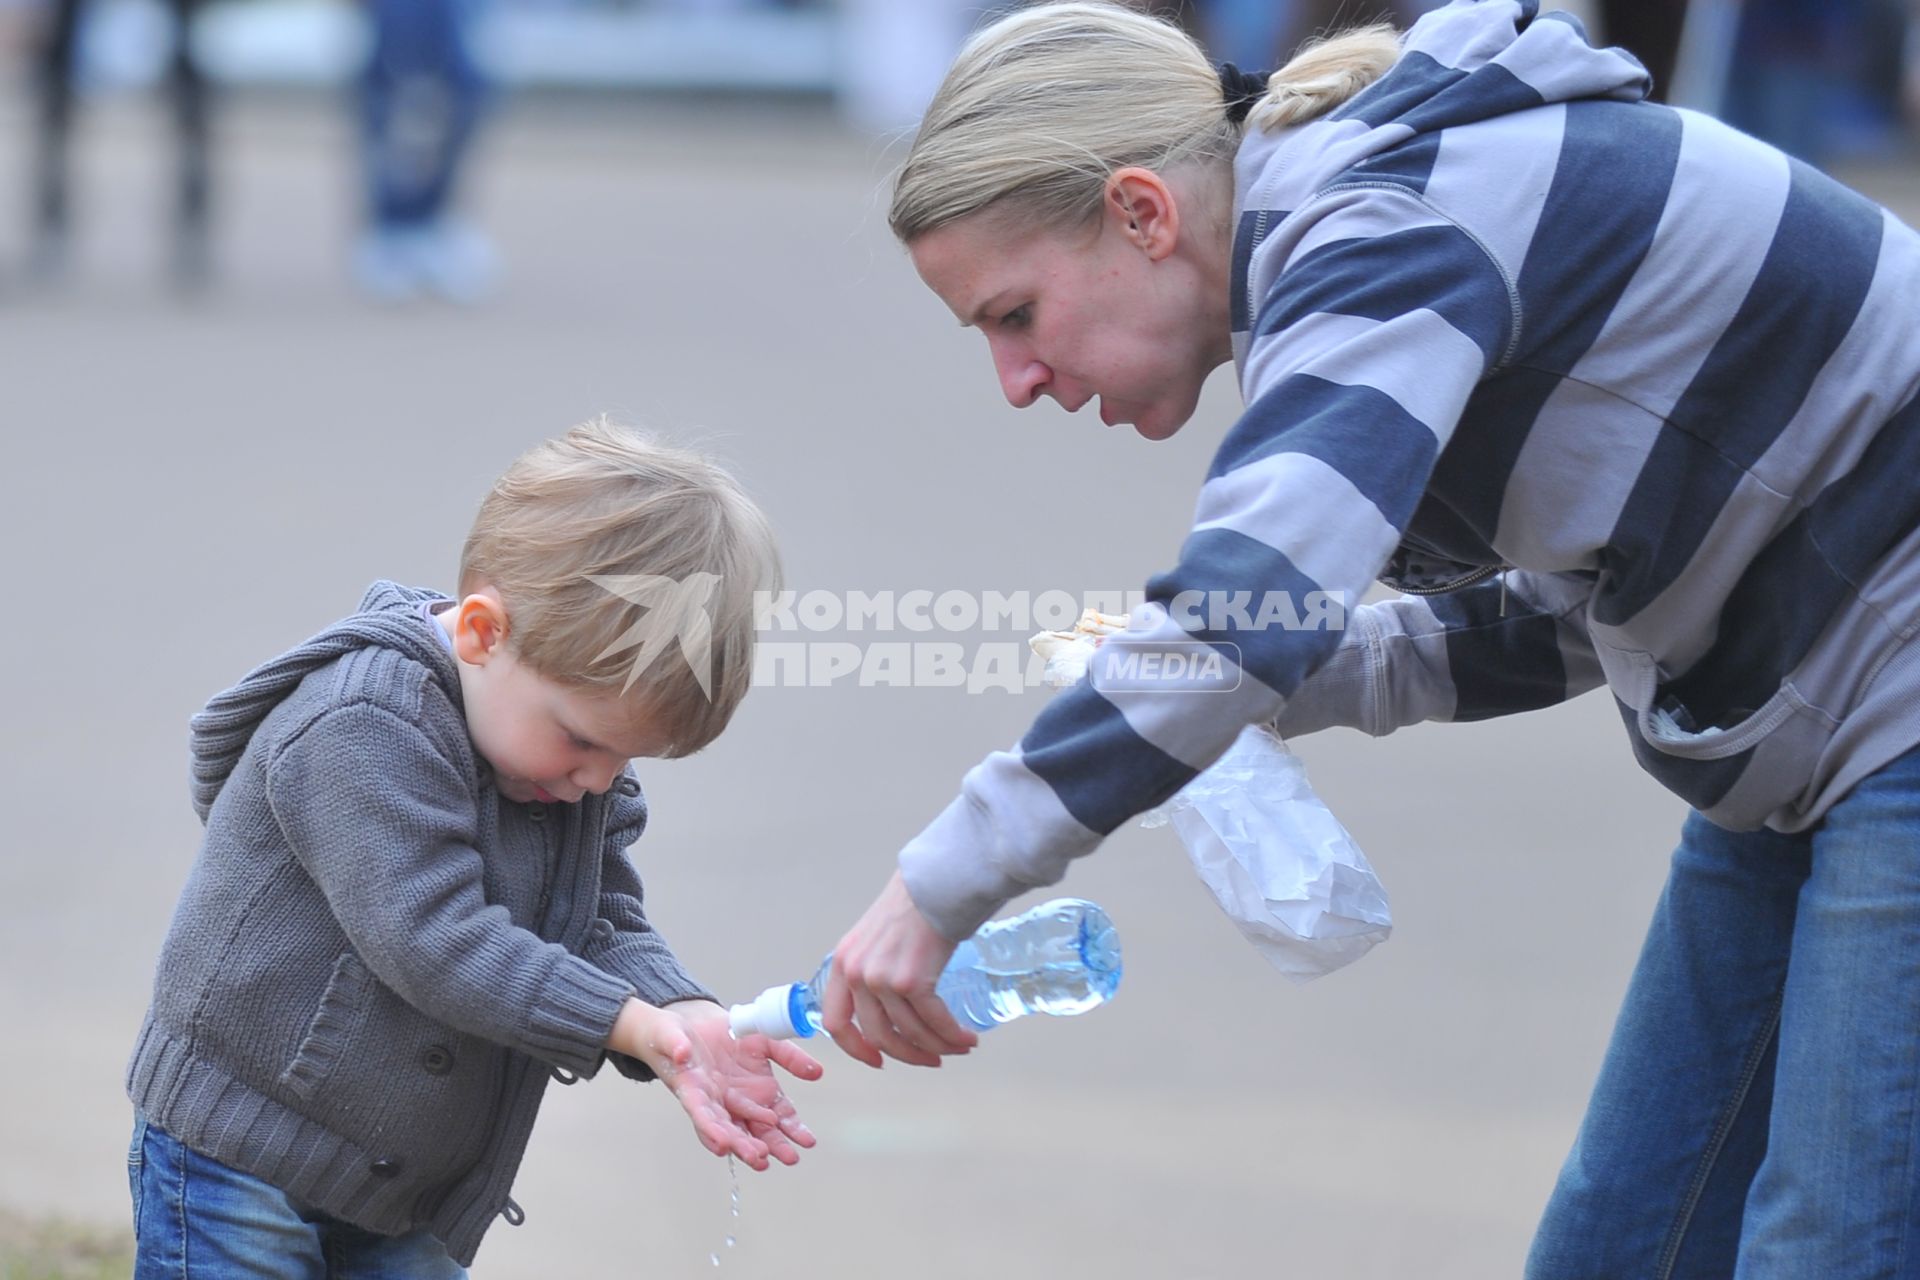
(389, 616)
(1470, 61)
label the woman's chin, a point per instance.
(1156, 426)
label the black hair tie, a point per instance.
(1242, 89)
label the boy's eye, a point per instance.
(1018, 318)
(579, 743)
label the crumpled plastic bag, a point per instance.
(1272, 854)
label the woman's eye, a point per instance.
(579, 744)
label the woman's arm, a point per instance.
(1380, 323)
(1506, 645)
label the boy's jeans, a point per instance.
(196, 1219)
(1758, 1112)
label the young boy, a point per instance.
(411, 906)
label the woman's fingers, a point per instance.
(874, 1012)
(836, 1011)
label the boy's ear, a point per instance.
(479, 629)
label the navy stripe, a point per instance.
(1615, 157)
(1435, 268)
(1701, 783)
(1409, 82)
(1362, 433)
(1253, 228)
(1500, 662)
(1490, 91)
(1802, 304)
(1438, 529)
(1793, 588)
(1099, 768)
(1218, 564)
(1410, 164)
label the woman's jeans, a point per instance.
(1758, 1112)
(196, 1219)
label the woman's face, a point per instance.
(1124, 310)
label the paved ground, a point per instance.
(190, 487)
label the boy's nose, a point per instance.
(595, 780)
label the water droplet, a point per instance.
(729, 1242)
(714, 1258)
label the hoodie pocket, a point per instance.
(1635, 678)
(342, 1009)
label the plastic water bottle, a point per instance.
(1062, 958)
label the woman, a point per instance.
(1630, 398)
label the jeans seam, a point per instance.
(180, 1201)
(1900, 1252)
(1676, 1236)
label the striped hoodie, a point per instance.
(1627, 396)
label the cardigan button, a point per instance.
(437, 1059)
(536, 813)
(385, 1167)
(628, 786)
(602, 930)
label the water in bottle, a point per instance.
(1061, 958)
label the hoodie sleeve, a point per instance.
(1362, 354)
(1510, 644)
(384, 824)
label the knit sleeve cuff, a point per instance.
(574, 1014)
(645, 960)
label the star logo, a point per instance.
(671, 612)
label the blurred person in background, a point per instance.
(56, 62)
(422, 96)
(1820, 79)
(1616, 396)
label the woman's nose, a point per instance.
(1022, 378)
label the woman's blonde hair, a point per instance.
(1044, 104)
(587, 537)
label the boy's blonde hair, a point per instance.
(607, 503)
(1044, 104)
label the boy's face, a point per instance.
(547, 742)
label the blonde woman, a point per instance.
(1625, 398)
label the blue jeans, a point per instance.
(420, 100)
(1758, 1112)
(196, 1219)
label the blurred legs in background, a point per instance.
(421, 101)
(1650, 31)
(53, 202)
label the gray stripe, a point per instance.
(1579, 462)
(1522, 148)
(1705, 255)
(1305, 509)
(1853, 393)
(1426, 365)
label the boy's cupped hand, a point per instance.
(727, 1087)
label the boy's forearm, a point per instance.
(636, 1030)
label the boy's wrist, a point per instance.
(697, 1008)
(634, 1029)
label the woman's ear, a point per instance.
(1141, 206)
(479, 628)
